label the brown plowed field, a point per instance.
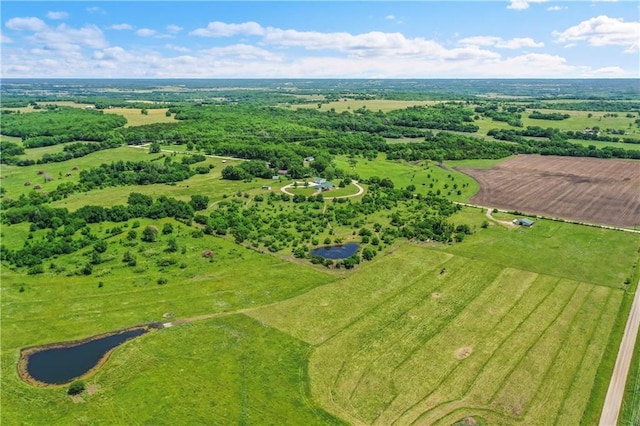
(593, 190)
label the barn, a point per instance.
(523, 221)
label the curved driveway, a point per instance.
(360, 191)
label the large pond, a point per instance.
(336, 252)
(59, 365)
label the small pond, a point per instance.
(336, 252)
(61, 364)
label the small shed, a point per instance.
(523, 221)
(309, 159)
(267, 187)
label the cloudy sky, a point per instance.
(321, 39)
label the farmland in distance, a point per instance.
(583, 189)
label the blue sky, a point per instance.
(321, 39)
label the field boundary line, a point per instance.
(565, 336)
(481, 367)
(615, 392)
(584, 354)
(555, 219)
(492, 398)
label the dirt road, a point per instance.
(613, 400)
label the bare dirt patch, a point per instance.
(436, 295)
(92, 389)
(602, 191)
(463, 352)
(77, 399)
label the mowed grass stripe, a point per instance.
(557, 312)
(577, 396)
(381, 341)
(510, 296)
(321, 313)
(497, 352)
(551, 392)
(515, 346)
(519, 389)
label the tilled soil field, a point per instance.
(592, 190)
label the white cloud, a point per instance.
(177, 48)
(96, 9)
(26, 24)
(603, 31)
(499, 42)
(557, 8)
(5, 39)
(145, 32)
(522, 4)
(287, 53)
(115, 53)
(120, 27)
(222, 29)
(374, 43)
(242, 51)
(57, 15)
(173, 29)
(608, 71)
(390, 17)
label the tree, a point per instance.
(199, 202)
(154, 148)
(76, 387)
(149, 234)
(172, 246)
(167, 229)
(368, 253)
(100, 246)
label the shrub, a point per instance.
(149, 234)
(162, 281)
(76, 387)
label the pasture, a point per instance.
(370, 104)
(402, 341)
(61, 305)
(511, 325)
(135, 117)
(425, 176)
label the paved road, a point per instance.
(613, 400)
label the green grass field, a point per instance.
(425, 177)
(630, 413)
(229, 370)
(561, 249)
(371, 104)
(510, 326)
(135, 117)
(600, 145)
(400, 341)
